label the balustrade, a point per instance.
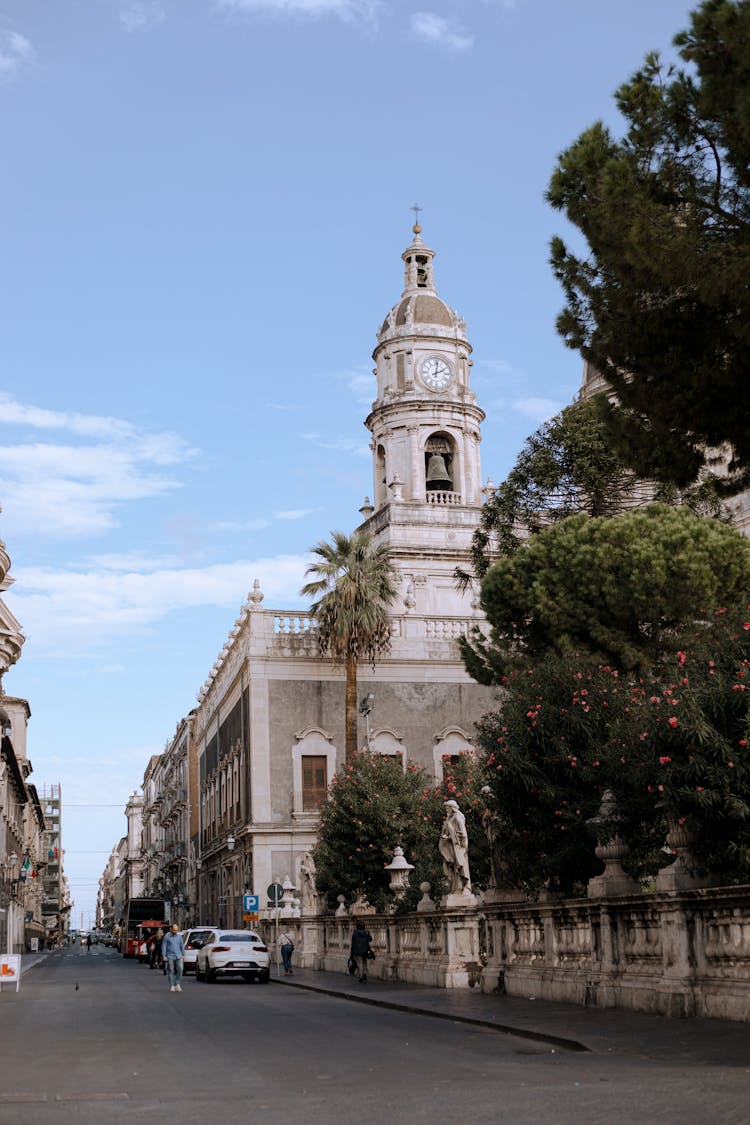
(443, 499)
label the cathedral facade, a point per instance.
(268, 730)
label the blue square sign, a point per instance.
(250, 904)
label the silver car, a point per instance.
(240, 953)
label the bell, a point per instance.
(437, 474)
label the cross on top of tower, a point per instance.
(416, 209)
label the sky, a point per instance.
(204, 206)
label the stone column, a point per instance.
(416, 489)
(468, 484)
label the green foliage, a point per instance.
(672, 749)
(661, 305)
(551, 752)
(566, 466)
(353, 584)
(613, 590)
(696, 724)
(373, 805)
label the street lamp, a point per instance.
(365, 708)
(230, 842)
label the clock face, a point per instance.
(436, 373)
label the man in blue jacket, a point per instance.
(173, 951)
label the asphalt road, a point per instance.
(121, 1048)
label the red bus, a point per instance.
(137, 910)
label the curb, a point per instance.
(501, 1028)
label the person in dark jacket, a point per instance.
(361, 941)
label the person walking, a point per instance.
(173, 952)
(154, 947)
(88, 943)
(286, 941)
(361, 941)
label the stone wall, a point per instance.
(678, 954)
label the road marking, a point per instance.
(119, 1097)
(9, 1099)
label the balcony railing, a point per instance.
(444, 499)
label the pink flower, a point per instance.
(663, 761)
(672, 721)
(731, 765)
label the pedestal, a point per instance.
(459, 900)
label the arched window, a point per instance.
(441, 464)
(381, 492)
(449, 745)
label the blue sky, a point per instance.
(204, 204)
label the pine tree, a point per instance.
(660, 306)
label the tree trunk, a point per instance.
(351, 709)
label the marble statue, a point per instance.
(309, 888)
(454, 848)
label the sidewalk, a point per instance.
(563, 1026)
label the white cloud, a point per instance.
(284, 406)
(347, 10)
(75, 611)
(85, 425)
(339, 444)
(499, 366)
(295, 513)
(439, 32)
(74, 489)
(241, 525)
(538, 409)
(138, 15)
(16, 52)
(360, 382)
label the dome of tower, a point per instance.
(420, 309)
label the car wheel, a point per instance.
(265, 976)
(210, 975)
(198, 973)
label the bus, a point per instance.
(139, 910)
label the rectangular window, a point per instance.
(314, 782)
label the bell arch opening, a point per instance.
(381, 493)
(442, 469)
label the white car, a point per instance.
(193, 939)
(239, 953)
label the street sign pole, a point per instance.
(275, 892)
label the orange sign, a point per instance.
(10, 969)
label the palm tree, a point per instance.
(353, 583)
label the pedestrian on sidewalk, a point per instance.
(153, 946)
(361, 941)
(173, 952)
(286, 941)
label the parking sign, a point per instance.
(250, 904)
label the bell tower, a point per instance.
(425, 426)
